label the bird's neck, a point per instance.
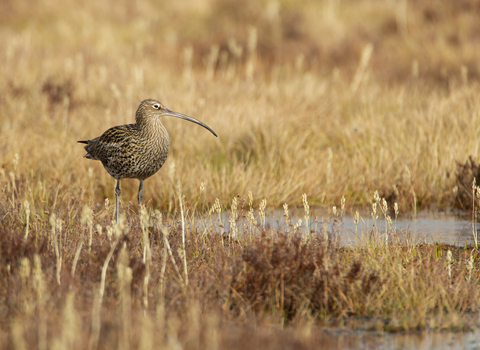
(151, 127)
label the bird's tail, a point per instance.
(88, 155)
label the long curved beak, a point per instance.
(190, 119)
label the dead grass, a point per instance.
(256, 278)
(328, 99)
(295, 109)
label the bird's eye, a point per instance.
(156, 106)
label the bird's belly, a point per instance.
(140, 166)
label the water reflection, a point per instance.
(427, 226)
(342, 340)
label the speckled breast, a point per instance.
(142, 160)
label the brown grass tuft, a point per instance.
(467, 173)
(328, 99)
(290, 276)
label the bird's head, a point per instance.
(151, 108)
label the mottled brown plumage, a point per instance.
(135, 151)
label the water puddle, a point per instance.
(342, 340)
(426, 226)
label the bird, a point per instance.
(135, 151)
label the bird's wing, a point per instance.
(112, 143)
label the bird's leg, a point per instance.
(117, 196)
(140, 193)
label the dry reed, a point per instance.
(332, 100)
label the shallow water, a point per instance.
(426, 226)
(429, 227)
(342, 340)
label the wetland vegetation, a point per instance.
(366, 105)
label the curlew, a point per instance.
(135, 151)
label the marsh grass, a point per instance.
(373, 96)
(331, 100)
(130, 289)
